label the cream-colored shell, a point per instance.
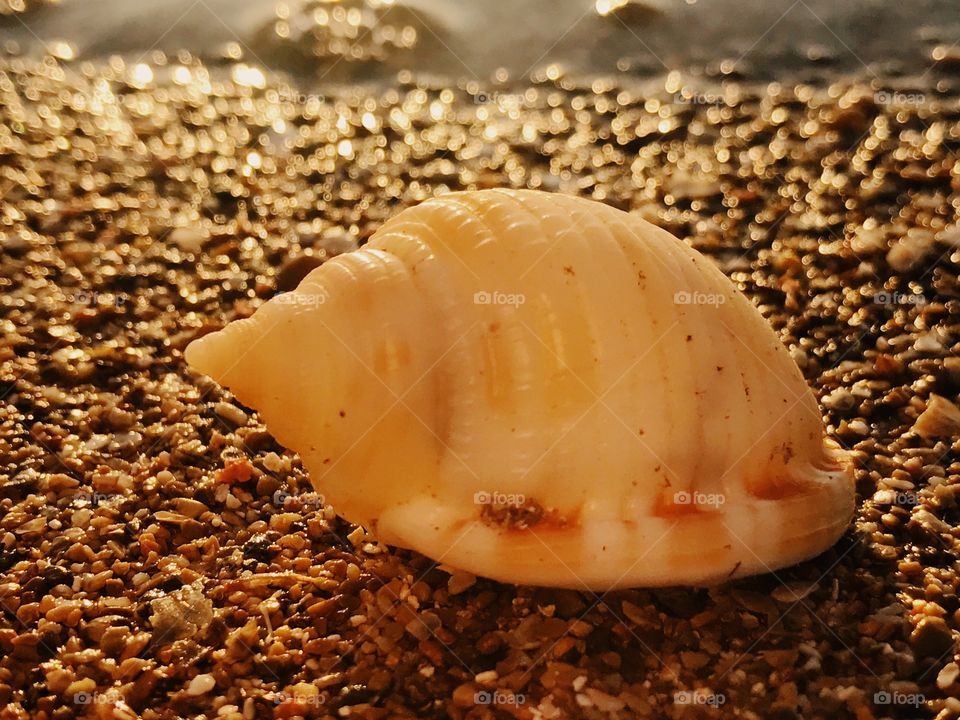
(545, 390)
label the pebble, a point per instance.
(201, 685)
(126, 440)
(941, 418)
(464, 696)
(932, 637)
(839, 399)
(272, 462)
(929, 521)
(948, 675)
(460, 581)
(859, 427)
(231, 413)
(488, 678)
(190, 507)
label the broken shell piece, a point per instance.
(542, 389)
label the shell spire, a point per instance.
(545, 390)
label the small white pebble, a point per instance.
(487, 677)
(272, 462)
(839, 399)
(357, 536)
(201, 684)
(859, 427)
(231, 413)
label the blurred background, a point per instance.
(360, 40)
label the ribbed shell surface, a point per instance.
(497, 371)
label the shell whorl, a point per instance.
(515, 344)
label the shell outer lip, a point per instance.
(649, 552)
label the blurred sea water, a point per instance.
(364, 40)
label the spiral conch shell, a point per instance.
(544, 390)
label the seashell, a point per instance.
(545, 390)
